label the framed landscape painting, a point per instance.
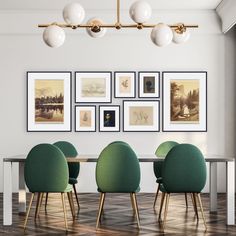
(92, 87)
(109, 118)
(184, 101)
(85, 118)
(149, 84)
(141, 116)
(124, 84)
(48, 101)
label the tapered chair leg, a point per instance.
(101, 204)
(37, 206)
(76, 196)
(40, 203)
(166, 210)
(200, 204)
(158, 188)
(46, 201)
(186, 199)
(27, 215)
(162, 204)
(136, 208)
(195, 205)
(71, 203)
(64, 209)
(132, 203)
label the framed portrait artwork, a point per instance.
(85, 118)
(124, 84)
(48, 101)
(149, 84)
(92, 87)
(141, 116)
(184, 101)
(109, 118)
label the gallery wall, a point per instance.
(22, 50)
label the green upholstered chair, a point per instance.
(46, 171)
(161, 151)
(69, 150)
(118, 171)
(183, 171)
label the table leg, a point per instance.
(213, 186)
(230, 192)
(22, 192)
(7, 193)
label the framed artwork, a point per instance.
(149, 84)
(124, 84)
(184, 101)
(141, 116)
(109, 117)
(85, 118)
(92, 87)
(48, 101)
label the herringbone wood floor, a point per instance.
(118, 217)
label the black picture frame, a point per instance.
(129, 90)
(194, 119)
(87, 79)
(39, 120)
(109, 118)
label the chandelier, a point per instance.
(140, 12)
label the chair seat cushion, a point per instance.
(68, 188)
(73, 181)
(136, 191)
(159, 180)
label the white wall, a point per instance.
(22, 50)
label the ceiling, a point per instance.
(107, 4)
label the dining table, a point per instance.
(213, 160)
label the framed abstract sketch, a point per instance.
(48, 101)
(141, 116)
(184, 101)
(109, 118)
(92, 87)
(149, 84)
(124, 84)
(85, 118)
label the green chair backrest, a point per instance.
(118, 169)
(118, 141)
(69, 150)
(184, 169)
(46, 169)
(162, 151)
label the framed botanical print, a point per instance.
(184, 101)
(85, 118)
(124, 84)
(93, 87)
(109, 118)
(48, 101)
(149, 84)
(141, 116)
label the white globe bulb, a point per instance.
(180, 38)
(54, 36)
(140, 12)
(99, 34)
(73, 13)
(161, 35)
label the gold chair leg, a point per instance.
(186, 199)
(195, 205)
(200, 204)
(46, 201)
(166, 210)
(71, 203)
(37, 206)
(27, 215)
(136, 208)
(132, 203)
(163, 195)
(158, 188)
(76, 196)
(64, 209)
(101, 204)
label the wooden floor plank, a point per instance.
(118, 218)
